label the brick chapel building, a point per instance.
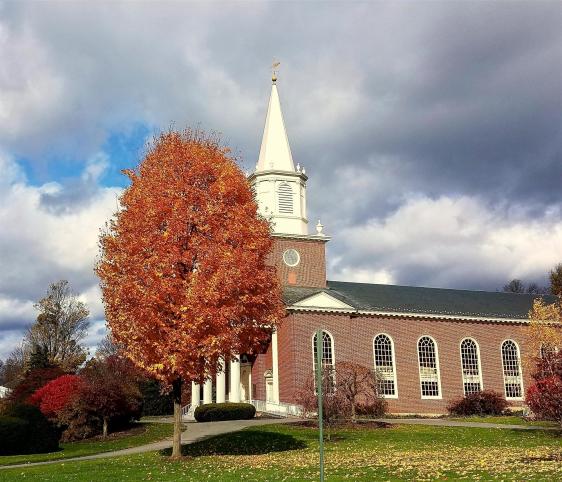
(428, 345)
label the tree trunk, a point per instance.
(176, 392)
(353, 416)
(105, 423)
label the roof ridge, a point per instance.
(438, 289)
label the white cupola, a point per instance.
(280, 188)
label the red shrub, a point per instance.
(111, 392)
(34, 380)
(544, 398)
(486, 402)
(57, 395)
(374, 408)
(334, 405)
(548, 365)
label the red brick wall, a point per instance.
(258, 369)
(311, 271)
(261, 364)
(287, 354)
(353, 338)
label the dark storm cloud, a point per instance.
(464, 96)
(431, 132)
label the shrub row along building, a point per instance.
(428, 345)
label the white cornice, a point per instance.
(389, 314)
(311, 237)
(276, 173)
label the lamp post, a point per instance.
(319, 392)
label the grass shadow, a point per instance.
(246, 442)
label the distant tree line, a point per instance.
(81, 397)
(555, 288)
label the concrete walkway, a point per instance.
(194, 432)
(441, 422)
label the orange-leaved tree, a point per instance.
(545, 328)
(544, 395)
(183, 269)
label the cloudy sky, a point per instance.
(431, 132)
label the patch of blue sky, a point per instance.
(123, 149)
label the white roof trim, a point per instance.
(450, 317)
(323, 301)
(302, 307)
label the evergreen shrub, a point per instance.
(25, 430)
(214, 412)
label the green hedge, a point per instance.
(25, 430)
(214, 412)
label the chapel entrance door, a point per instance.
(245, 381)
(269, 389)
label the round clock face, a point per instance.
(291, 257)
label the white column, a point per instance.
(208, 391)
(235, 381)
(275, 367)
(195, 394)
(221, 383)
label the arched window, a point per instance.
(547, 351)
(383, 350)
(470, 361)
(429, 368)
(513, 381)
(327, 354)
(285, 198)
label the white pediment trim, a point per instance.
(323, 301)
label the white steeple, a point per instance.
(280, 189)
(275, 152)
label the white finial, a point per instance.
(303, 170)
(319, 228)
(298, 167)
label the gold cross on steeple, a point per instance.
(274, 70)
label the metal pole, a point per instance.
(319, 392)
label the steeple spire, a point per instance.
(275, 152)
(280, 189)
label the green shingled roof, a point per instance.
(412, 299)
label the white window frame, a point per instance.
(437, 368)
(332, 345)
(394, 376)
(519, 366)
(479, 365)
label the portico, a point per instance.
(233, 383)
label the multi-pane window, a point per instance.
(512, 378)
(429, 368)
(285, 196)
(546, 351)
(384, 365)
(470, 360)
(327, 355)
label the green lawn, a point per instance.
(504, 420)
(281, 452)
(149, 432)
